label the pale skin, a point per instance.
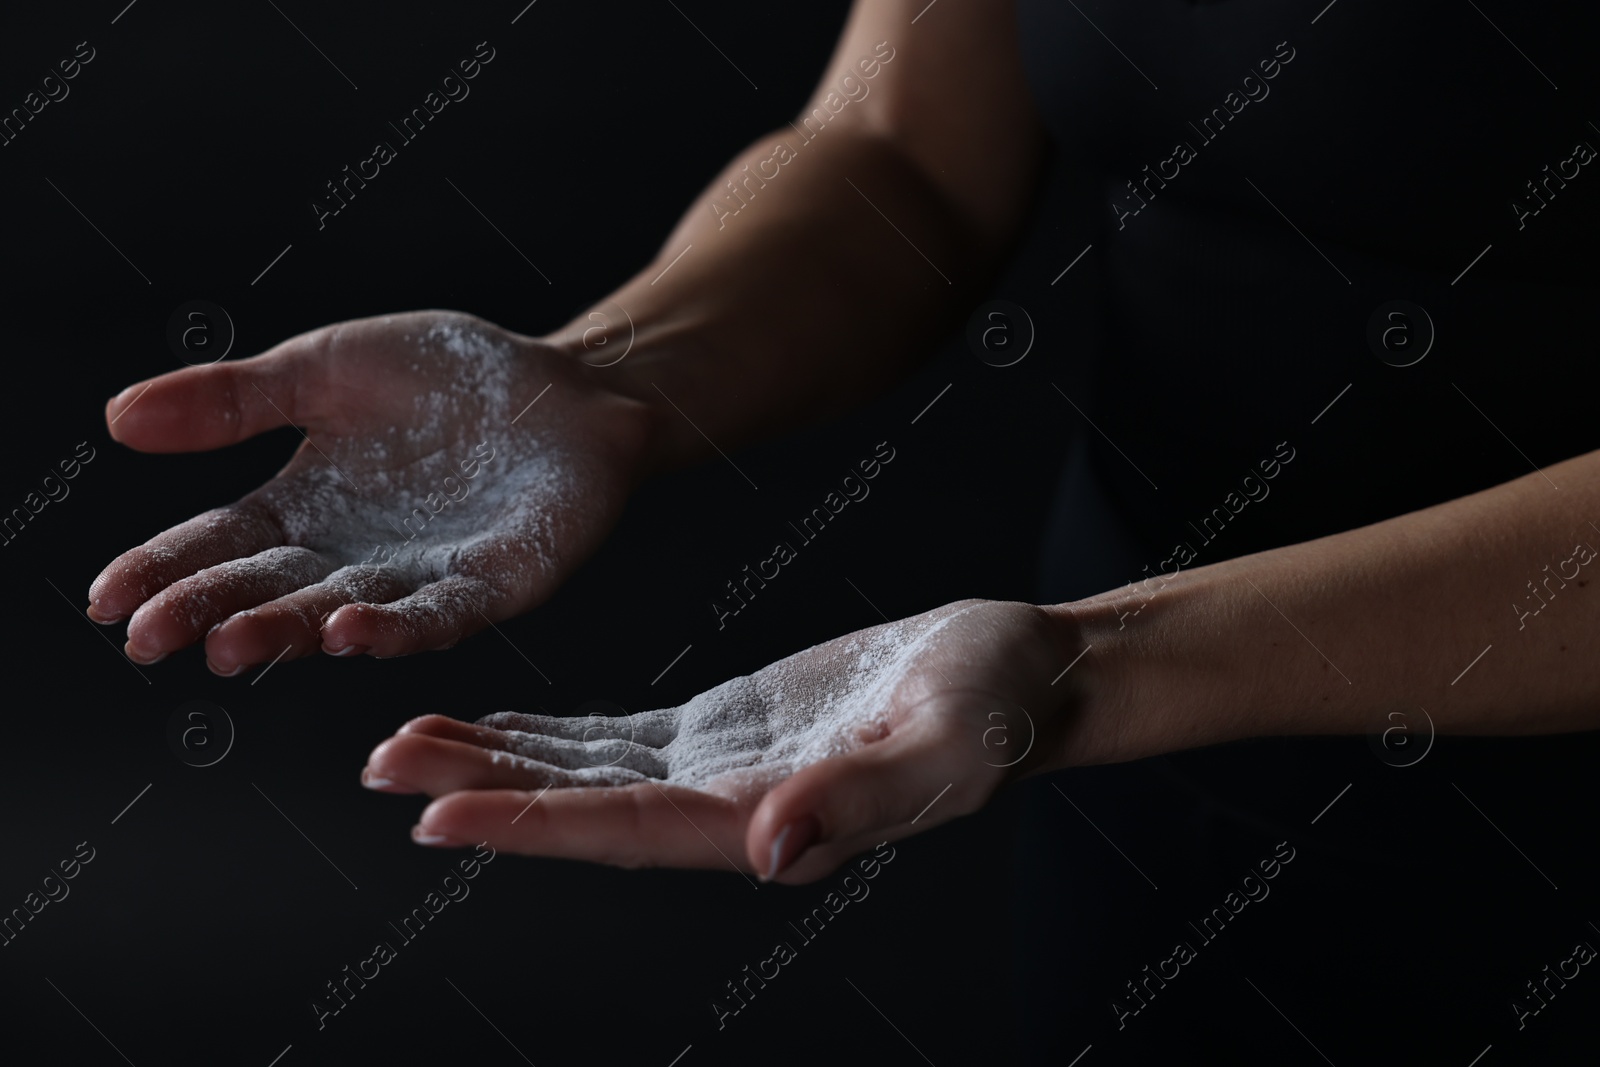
(1325, 637)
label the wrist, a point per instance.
(1090, 695)
(597, 347)
(1152, 678)
(641, 365)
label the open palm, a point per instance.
(452, 474)
(874, 735)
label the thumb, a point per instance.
(220, 404)
(928, 771)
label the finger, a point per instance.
(435, 616)
(567, 753)
(204, 541)
(927, 771)
(653, 728)
(181, 614)
(456, 730)
(291, 626)
(221, 404)
(644, 825)
(437, 766)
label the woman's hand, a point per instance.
(453, 473)
(791, 770)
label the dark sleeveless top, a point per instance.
(1353, 244)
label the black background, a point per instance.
(195, 142)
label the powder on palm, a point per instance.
(749, 732)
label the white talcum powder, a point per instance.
(748, 732)
(393, 495)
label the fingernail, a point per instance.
(144, 659)
(220, 673)
(791, 841)
(383, 785)
(345, 650)
(422, 837)
(96, 615)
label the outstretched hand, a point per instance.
(452, 474)
(789, 771)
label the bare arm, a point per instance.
(1325, 637)
(796, 299)
(1330, 636)
(829, 254)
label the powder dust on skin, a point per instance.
(344, 512)
(745, 735)
(260, 577)
(340, 499)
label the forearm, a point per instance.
(796, 307)
(832, 252)
(1329, 636)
